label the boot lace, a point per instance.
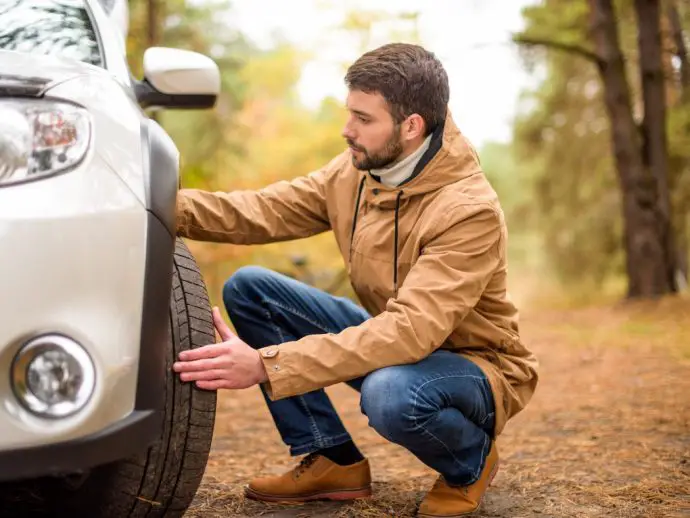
(305, 464)
(441, 482)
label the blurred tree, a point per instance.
(563, 154)
(679, 128)
(154, 18)
(209, 141)
(650, 268)
(654, 134)
(646, 230)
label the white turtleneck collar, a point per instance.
(396, 174)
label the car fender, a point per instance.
(161, 169)
(160, 159)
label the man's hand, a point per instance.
(231, 364)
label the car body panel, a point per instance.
(88, 253)
(49, 70)
(116, 124)
(76, 267)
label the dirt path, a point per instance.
(607, 434)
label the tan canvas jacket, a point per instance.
(427, 259)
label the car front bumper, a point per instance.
(84, 258)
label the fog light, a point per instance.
(53, 376)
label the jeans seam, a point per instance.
(296, 313)
(415, 418)
(314, 427)
(455, 459)
(324, 442)
(279, 331)
(318, 437)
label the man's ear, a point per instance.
(413, 127)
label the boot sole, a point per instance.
(493, 473)
(341, 494)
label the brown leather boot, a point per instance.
(315, 478)
(444, 501)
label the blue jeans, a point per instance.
(441, 409)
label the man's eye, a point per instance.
(364, 120)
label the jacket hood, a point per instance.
(450, 157)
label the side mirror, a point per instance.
(175, 78)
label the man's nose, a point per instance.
(348, 133)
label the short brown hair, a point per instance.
(410, 78)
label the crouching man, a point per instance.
(434, 348)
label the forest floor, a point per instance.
(606, 434)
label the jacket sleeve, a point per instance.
(282, 211)
(439, 291)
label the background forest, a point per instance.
(594, 176)
(595, 180)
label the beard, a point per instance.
(388, 155)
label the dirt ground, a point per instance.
(607, 433)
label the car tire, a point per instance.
(163, 481)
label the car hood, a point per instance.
(31, 75)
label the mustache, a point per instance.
(355, 146)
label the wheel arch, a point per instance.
(161, 182)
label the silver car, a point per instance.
(99, 297)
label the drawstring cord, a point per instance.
(395, 245)
(354, 218)
(395, 236)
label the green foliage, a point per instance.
(509, 178)
(258, 133)
(556, 180)
(207, 139)
(512, 180)
(562, 135)
(563, 20)
(679, 156)
(565, 140)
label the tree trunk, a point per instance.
(681, 53)
(645, 246)
(655, 145)
(681, 49)
(152, 37)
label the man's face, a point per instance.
(370, 131)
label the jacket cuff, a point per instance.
(277, 386)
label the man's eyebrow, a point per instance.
(359, 112)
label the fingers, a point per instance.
(222, 328)
(200, 353)
(213, 374)
(205, 364)
(213, 384)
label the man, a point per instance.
(434, 351)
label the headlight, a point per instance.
(53, 376)
(39, 138)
